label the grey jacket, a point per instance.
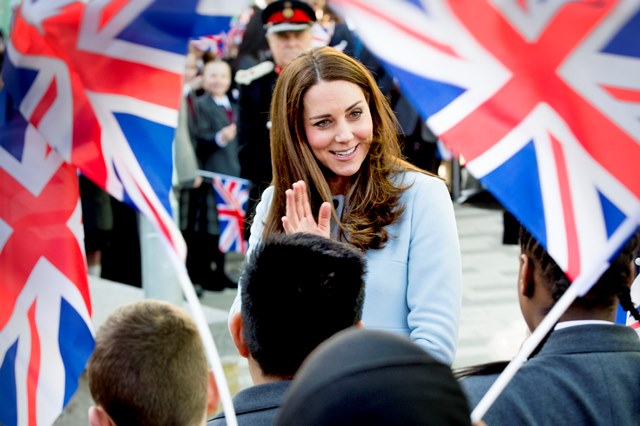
(256, 405)
(583, 375)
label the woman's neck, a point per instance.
(338, 184)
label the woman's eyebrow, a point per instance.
(315, 117)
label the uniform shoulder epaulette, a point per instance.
(253, 73)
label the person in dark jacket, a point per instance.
(288, 33)
(214, 134)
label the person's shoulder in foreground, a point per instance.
(255, 405)
(371, 377)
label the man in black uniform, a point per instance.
(288, 32)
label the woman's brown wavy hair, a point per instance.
(372, 198)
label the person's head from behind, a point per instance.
(297, 291)
(541, 283)
(216, 77)
(288, 29)
(371, 377)
(149, 368)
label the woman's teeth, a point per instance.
(345, 153)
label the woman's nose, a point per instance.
(344, 133)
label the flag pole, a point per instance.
(578, 288)
(209, 345)
(158, 276)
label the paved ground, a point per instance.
(491, 327)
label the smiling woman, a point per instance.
(338, 172)
(338, 125)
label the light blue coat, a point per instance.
(414, 283)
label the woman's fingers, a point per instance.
(290, 209)
(301, 199)
(298, 216)
(324, 219)
(288, 229)
(306, 204)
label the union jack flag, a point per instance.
(95, 85)
(232, 194)
(542, 98)
(44, 281)
(215, 43)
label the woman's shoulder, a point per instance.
(267, 194)
(408, 177)
(422, 190)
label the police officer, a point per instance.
(288, 31)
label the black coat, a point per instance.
(253, 129)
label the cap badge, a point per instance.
(287, 12)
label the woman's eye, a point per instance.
(321, 123)
(356, 113)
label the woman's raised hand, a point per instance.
(298, 217)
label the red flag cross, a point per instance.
(89, 71)
(85, 75)
(39, 228)
(535, 79)
(494, 76)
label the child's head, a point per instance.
(216, 77)
(148, 367)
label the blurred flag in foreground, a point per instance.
(541, 98)
(94, 86)
(46, 334)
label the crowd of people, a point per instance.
(348, 304)
(314, 362)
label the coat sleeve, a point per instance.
(186, 164)
(434, 275)
(254, 239)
